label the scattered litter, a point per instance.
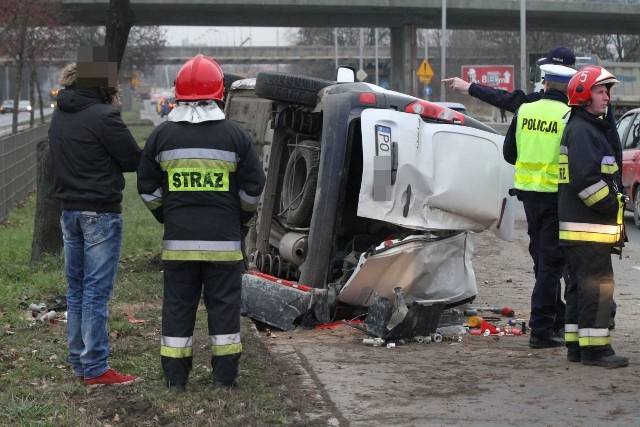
(374, 341)
(38, 308)
(132, 319)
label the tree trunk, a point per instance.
(118, 25)
(47, 234)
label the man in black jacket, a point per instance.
(91, 148)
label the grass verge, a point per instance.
(37, 386)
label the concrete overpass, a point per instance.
(403, 17)
(600, 17)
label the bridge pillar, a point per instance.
(403, 59)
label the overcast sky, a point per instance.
(232, 36)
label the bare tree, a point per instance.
(610, 47)
(30, 33)
(118, 25)
(327, 37)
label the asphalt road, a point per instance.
(23, 118)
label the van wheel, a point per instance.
(636, 207)
(299, 183)
(284, 87)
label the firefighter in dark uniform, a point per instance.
(200, 176)
(591, 209)
(532, 145)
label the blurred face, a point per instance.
(599, 100)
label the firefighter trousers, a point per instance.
(547, 307)
(220, 285)
(589, 300)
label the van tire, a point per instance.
(299, 183)
(284, 87)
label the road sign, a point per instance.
(427, 90)
(425, 72)
(498, 76)
(361, 75)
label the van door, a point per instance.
(434, 176)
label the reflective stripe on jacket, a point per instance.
(539, 130)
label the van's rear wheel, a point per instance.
(284, 87)
(299, 183)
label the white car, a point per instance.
(7, 106)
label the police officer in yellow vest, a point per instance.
(590, 209)
(532, 145)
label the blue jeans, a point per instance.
(92, 243)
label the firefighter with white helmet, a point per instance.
(590, 210)
(200, 176)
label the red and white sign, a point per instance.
(498, 76)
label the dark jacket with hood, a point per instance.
(91, 147)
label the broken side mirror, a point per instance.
(345, 74)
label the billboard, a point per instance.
(498, 76)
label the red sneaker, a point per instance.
(112, 377)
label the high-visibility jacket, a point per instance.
(589, 206)
(203, 181)
(539, 130)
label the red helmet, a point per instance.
(579, 89)
(200, 78)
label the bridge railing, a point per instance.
(18, 164)
(258, 54)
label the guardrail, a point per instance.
(18, 164)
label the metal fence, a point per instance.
(18, 164)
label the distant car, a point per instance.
(629, 131)
(455, 106)
(166, 105)
(7, 106)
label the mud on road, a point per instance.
(480, 381)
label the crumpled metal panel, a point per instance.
(391, 319)
(276, 304)
(425, 269)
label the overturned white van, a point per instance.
(369, 193)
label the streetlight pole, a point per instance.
(377, 56)
(523, 45)
(335, 45)
(226, 37)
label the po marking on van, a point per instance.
(383, 174)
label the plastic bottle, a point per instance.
(453, 332)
